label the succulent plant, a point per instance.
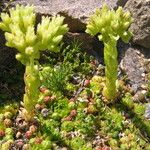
(109, 26)
(20, 33)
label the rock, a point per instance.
(18, 134)
(45, 112)
(26, 147)
(140, 9)
(133, 65)
(76, 12)
(7, 55)
(147, 111)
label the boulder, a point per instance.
(76, 12)
(135, 63)
(140, 10)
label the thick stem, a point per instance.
(32, 83)
(110, 58)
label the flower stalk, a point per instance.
(20, 33)
(109, 26)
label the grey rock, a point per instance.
(140, 10)
(147, 111)
(76, 12)
(132, 64)
(45, 112)
(7, 55)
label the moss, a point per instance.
(67, 126)
(97, 84)
(139, 109)
(128, 101)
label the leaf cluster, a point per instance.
(108, 24)
(56, 78)
(20, 32)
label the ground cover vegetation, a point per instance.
(71, 101)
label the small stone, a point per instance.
(143, 74)
(147, 111)
(22, 125)
(45, 112)
(144, 92)
(19, 120)
(26, 147)
(20, 143)
(18, 135)
(140, 95)
(85, 110)
(38, 107)
(64, 148)
(138, 52)
(144, 87)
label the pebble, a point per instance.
(144, 87)
(147, 111)
(140, 95)
(64, 148)
(18, 134)
(45, 112)
(20, 143)
(138, 52)
(19, 120)
(26, 147)
(144, 92)
(143, 74)
(23, 125)
(38, 107)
